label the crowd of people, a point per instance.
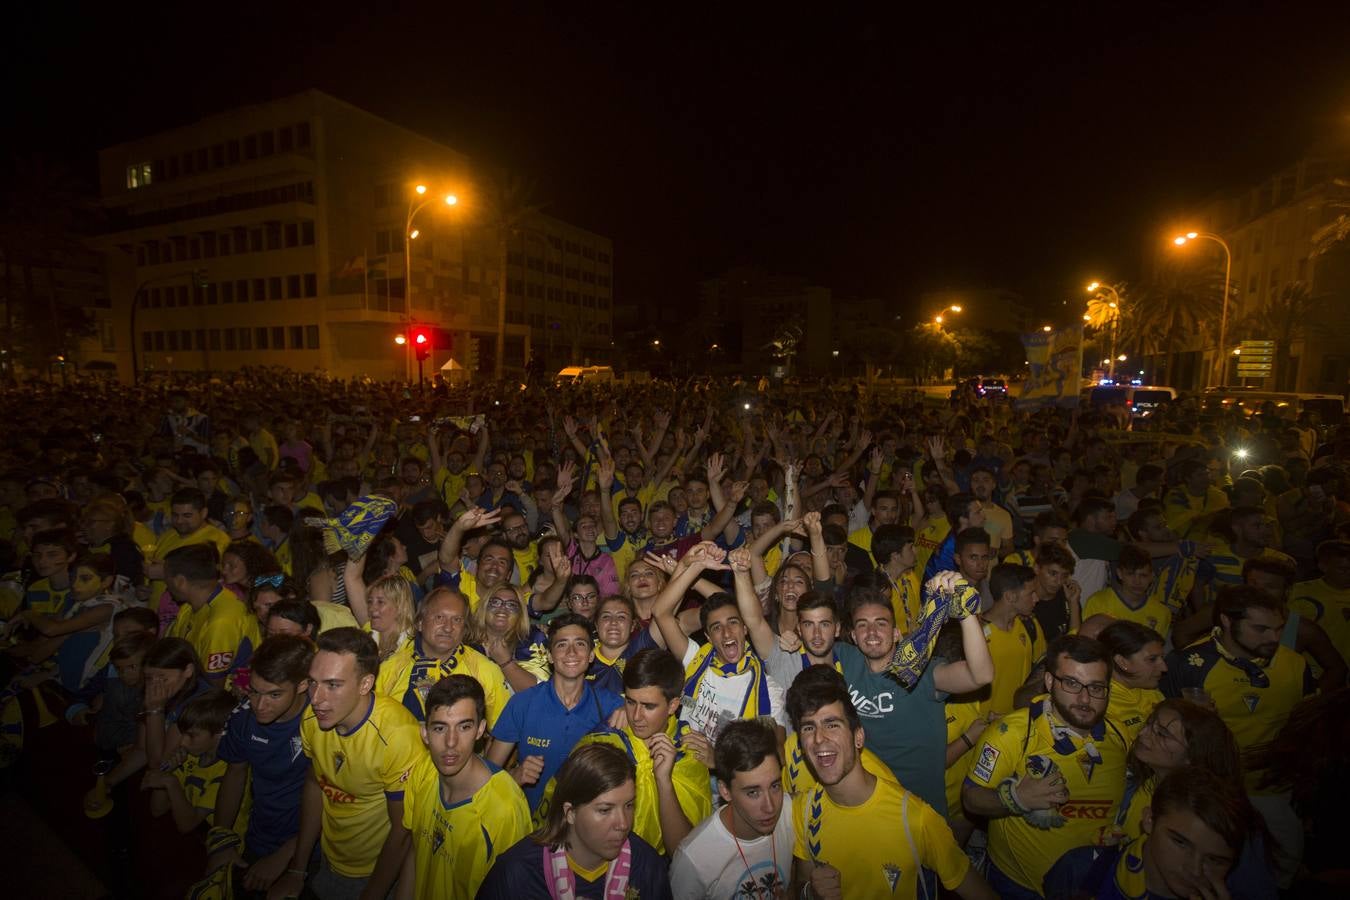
(277, 635)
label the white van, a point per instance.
(584, 375)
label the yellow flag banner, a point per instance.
(1054, 361)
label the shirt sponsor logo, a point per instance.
(873, 708)
(334, 793)
(259, 739)
(1086, 809)
(538, 742)
(219, 662)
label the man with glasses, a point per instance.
(1050, 778)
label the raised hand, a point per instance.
(604, 473)
(716, 468)
(738, 560)
(937, 448)
(661, 561)
(875, 461)
(570, 426)
(737, 492)
(812, 522)
(477, 517)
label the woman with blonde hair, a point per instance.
(385, 609)
(500, 629)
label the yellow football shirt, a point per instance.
(862, 537)
(1129, 708)
(1022, 851)
(171, 540)
(1014, 652)
(929, 538)
(846, 837)
(1153, 612)
(1255, 714)
(454, 845)
(408, 674)
(1329, 607)
(358, 773)
(693, 787)
(907, 601)
(960, 716)
(219, 631)
(201, 785)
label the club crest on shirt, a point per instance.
(892, 873)
(1087, 764)
(437, 841)
(339, 760)
(1251, 700)
(297, 747)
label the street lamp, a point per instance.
(1047, 329)
(400, 340)
(409, 235)
(1181, 240)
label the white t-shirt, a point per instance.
(721, 697)
(708, 866)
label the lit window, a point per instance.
(138, 176)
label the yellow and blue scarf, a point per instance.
(913, 651)
(756, 702)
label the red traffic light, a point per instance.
(421, 338)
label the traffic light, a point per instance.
(421, 340)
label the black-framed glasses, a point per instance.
(1096, 690)
(584, 598)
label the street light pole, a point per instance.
(410, 235)
(1227, 278)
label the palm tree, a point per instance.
(1282, 319)
(1178, 312)
(509, 202)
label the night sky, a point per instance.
(1025, 147)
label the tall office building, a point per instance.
(275, 235)
(1270, 228)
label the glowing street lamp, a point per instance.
(1181, 240)
(400, 340)
(410, 234)
(1047, 329)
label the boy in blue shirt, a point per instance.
(262, 747)
(546, 721)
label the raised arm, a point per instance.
(604, 482)
(752, 614)
(704, 556)
(977, 669)
(453, 541)
(356, 590)
(937, 450)
(566, 480)
(820, 557)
